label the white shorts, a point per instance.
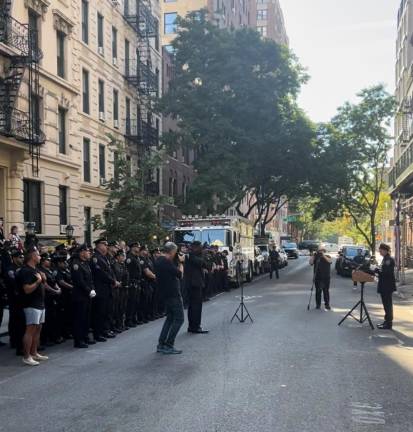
(34, 316)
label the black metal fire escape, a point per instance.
(23, 56)
(139, 73)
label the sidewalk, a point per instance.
(405, 291)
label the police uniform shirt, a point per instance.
(63, 275)
(82, 279)
(134, 267)
(387, 279)
(102, 272)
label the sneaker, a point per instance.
(160, 348)
(171, 350)
(30, 362)
(39, 357)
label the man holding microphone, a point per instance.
(322, 272)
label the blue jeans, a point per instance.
(174, 320)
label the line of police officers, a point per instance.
(107, 290)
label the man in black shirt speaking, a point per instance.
(168, 275)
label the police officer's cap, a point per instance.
(384, 246)
(60, 247)
(83, 247)
(113, 243)
(196, 243)
(134, 244)
(119, 253)
(100, 240)
(143, 248)
(45, 256)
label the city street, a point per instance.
(291, 370)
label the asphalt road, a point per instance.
(291, 370)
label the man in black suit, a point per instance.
(195, 266)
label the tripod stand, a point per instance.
(364, 313)
(241, 313)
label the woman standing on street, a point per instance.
(386, 286)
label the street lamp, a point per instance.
(70, 229)
(30, 239)
(30, 228)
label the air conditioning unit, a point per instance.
(115, 61)
(116, 124)
(102, 181)
(102, 116)
(100, 50)
(62, 229)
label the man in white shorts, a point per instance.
(30, 282)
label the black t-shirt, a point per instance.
(27, 276)
(168, 275)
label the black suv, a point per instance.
(291, 250)
(345, 262)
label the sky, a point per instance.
(346, 45)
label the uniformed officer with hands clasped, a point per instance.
(83, 292)
(134, 268)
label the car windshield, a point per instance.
(214, 236)
(187, 236)
(351, 252)
(290, 245)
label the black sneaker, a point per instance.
(328, 307)
(385, 326)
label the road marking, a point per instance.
(371, 414)
(11, 397)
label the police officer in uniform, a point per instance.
(386, 286)
(83, 292)
(113, 247)
(133, 266)
(120, 293)
(16, 314)
(104, 281)
(52, 329)
(147, 282)
(64, 280)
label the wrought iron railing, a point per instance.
(141, 132)
(18, 36)
(139, 16)
(141, 75)
(18, 124)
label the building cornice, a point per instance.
(62, 23)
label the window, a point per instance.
(87, 214)
(85, 21)
(32, 203)
(262, 30)
(157, 81)
(63, 205)
(34, 28)
(262, 14)
(35, 112)
(128, 125)
(114, 43)
(86, 160)
(127, 57)
(61, 125)
(169, 49)
(102, 162)
(116, 167)
(115, 107)
(101, 95)
(60, 54)
(170, 22)
(85, 91)
(100, 33)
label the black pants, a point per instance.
(17, 326)
(81, 311)
(274, 267)
(100, 314)
(174, 320)
(387, 300)
(133, 304)
(322, 286)
(194, 307)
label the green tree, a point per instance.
(131, 212)
(234, 97)
(352, 156)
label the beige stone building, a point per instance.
(72, 73)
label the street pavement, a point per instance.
(289, 371)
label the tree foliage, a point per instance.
(234, 97)
(131, 212)
(352, 152)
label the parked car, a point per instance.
(310, 245)
(265, 251)
(291, 250)
(344, 262)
